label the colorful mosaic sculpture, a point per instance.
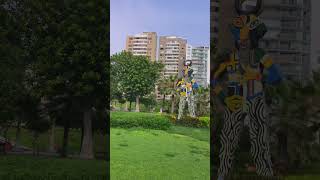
(248, 69)
(186, 86)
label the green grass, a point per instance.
(22, 166)
(178, 153)
(100, 143)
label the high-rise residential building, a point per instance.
(189, 52)
(200, 62)
(288, 37)
(144, 44)
(215, 9)
(172, 53)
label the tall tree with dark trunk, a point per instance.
(72, 60)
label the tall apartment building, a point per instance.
(172, 53)
(215, 9)
(200, 62)
(189, 52)
(143, 44)
(288, 37)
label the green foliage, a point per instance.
(144, 120)
(197, 122)
(202, 101)
(133, 76)
(205, 121)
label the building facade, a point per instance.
(200, 62)
(144, 44)
(189, 52)
(214, 25)
(288, 39)
(172, 53)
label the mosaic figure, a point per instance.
(186, 86)
(248, 69)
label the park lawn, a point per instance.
(29, 167)
(142, 154)
(100, 141)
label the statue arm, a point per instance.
(273, 74)
(217, 89)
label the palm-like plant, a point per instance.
(203, 101)
(166, 87)
(292, 120)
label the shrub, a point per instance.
(200, 122)
(205, 121)
(144, 120)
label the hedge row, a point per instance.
(197, 122)
(144, 120)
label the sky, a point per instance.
(189, 19)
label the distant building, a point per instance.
(316, 61)
(215, 13)
(200, 61)
(144, 44)
(189, 52)
(172, 53)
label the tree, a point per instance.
(12, 66)
(293, 124)
(72, 62)
(138, 75)
(203, 101)
(167, 87)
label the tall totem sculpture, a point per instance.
(248, 69)
(186, 86)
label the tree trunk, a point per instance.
(87, 142)
(283, 146)
(51, 138)
(35, 149)
(172, 104)
(126, 107)
(130, 106)
(65, 138)
(5, 132)
(81, 136)
(162, 107)
(137, 104)
(18, 133)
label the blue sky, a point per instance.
(189, 19)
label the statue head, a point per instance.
(246, 28)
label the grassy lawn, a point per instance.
(74, 140)
(26, 167)
(178, 153)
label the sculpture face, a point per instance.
(246, 7)
(247, 30)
